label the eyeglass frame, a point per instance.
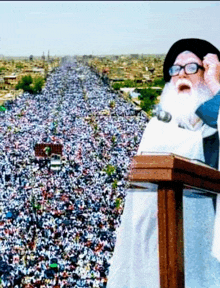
(183, 67)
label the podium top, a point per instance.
(165, 167)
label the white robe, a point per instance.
(135, 262)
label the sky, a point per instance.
(104, 27)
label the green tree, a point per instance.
(116, 86)
(129, 83)
(28, 84)
(158, 82)
(38, 84)
(148, 99)
(19, 65)
(25, 83)
(2, 68)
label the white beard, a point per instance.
(182, 105)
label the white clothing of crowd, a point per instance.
(58, 228)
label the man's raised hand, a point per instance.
(212, 72)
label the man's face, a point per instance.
(183, 82)
(185, 93)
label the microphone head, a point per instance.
(164, 116)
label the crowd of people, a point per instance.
(58, 228)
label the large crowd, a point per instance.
(58, 228)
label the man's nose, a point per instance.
(182, 72)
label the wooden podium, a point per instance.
(172, 173)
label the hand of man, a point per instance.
(212, 72)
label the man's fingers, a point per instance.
(210, 55)
(211, 59)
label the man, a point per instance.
(190, 101)
(207, 77)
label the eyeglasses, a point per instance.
(190, 68)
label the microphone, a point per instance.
(164, 116)
(161, 114)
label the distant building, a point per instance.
(136, 56)
(151, 70)
(10, 78)
(127, 90)
(38, 70)
(115, 57)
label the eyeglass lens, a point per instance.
(189, 68)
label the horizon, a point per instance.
(107, 55)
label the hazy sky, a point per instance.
(104, 27)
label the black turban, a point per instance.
(197, 46)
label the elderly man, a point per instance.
(189, 108)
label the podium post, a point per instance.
(172, 173)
